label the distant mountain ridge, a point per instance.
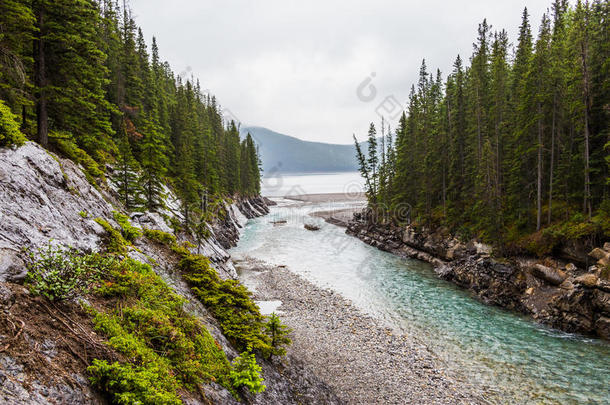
(286, 154)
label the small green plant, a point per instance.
(130, 384)
(66, 145)
(84, 214)
(246, 373)
(9, 127)
(150, 327)
(160, 237)
(228, 300)
(62, 273)
(115, 242)
(278, 333)
(129, 232)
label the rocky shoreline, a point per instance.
(552, 291)
(362, 361)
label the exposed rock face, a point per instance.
(563, 296)
(45, 199)
(253, 207)
(494, 282)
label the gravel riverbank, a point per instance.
(364, 362)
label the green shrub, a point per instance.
(66, 145)
(9, 128)
(278, 333)
(131, 384)
(246, 373)
(229, 302)
(159, 236)
(151, 328)
(115, 242)
(84, 214)
(62, 273)
(129, 232)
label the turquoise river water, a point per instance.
(509, 358)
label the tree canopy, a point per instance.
(513, 149)
(92, 88)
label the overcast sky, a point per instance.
(319, 70)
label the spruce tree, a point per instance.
(126, 175)
(71, 75)
(278, 333)
(154, 164)
(16, 34)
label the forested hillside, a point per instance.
(79, 78)
(514, 147)
(285, 154)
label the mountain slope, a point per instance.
(286, 154)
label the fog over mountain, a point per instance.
(286, 154)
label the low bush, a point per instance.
(130, 384)
(167, 348)
(115, 242)
(161, 237)
(246, 373)
(9, 127)
(229, 301)
(129, 232)
(62, 273)
(66, 145)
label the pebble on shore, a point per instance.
(363, 361)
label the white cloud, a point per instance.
(294, 66)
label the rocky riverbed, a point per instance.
(362, 361)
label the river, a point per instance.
(508, 357)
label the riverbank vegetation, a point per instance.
(512, 149)
(95, 92)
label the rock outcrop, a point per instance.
(47, 200)
(556, 293)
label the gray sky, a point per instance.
(296, 66)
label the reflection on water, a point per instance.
(509, 357)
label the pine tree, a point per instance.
(581, 54)
(126, 176)
(558, 84)
(278, 334)
(154, 164)
(499, 110)
(71, 75)
(539, 77)
(16, 34)
(373, 160)
(519, 163)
